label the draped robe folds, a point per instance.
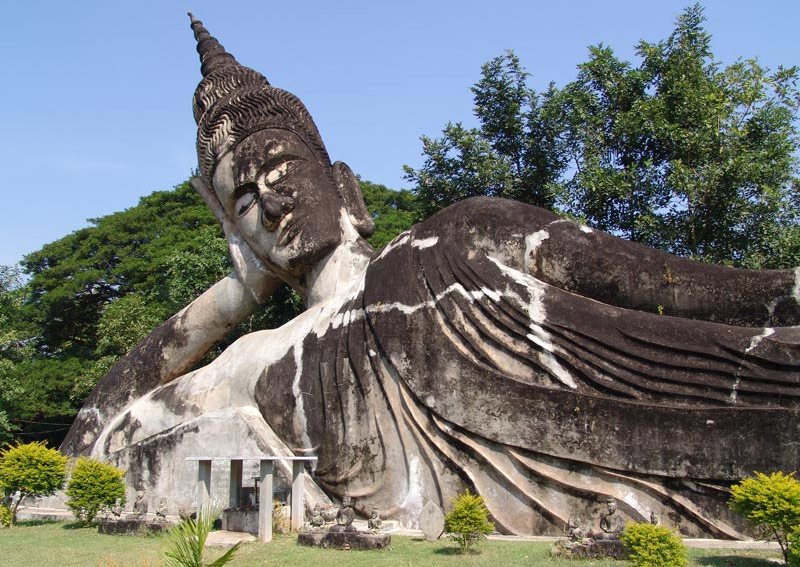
(500, 348)
(457, 364)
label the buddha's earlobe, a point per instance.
(350, 191)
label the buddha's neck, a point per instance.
(340, 271)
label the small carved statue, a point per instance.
(117, 508)
(345, 517)
(161, 511)
(374, 522)
(329, 514)
(611, 523)
(140, 504)
(317, 521)
(654, 518)
(575, 532)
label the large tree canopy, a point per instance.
(678, 151)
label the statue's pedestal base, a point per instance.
(234, 520)
(344, 540)
(132, 526)
(591, 549)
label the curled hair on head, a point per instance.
(232, 101)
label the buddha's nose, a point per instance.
(273, 208)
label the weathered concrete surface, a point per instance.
(224, 538)
(495, 347)
(431, 521)
(240, 521)
(132, 526)
(345, 540)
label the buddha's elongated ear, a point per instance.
(350, 191)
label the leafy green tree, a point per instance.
(94, 487)
(392, 211)
(514, 154)
(678, 152)
(793, 555)
(95, 293)
(684, 154)
(468, 522)
(31, 470)
(75, 278)
(772, 504)
(654, 546)
(15, 347)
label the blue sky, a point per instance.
(96, 104)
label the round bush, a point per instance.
(793, 555)
(654, 546)
(94, 487)
(5, 516)
(468, 521)
(31, 470)
(772, 504)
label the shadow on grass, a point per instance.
(735, 561)
(79, 525)
(31, 523)
(455, 551)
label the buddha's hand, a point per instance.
(250, 270)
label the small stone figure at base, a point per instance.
(374, 523)
(317, 521)
(345, 517)
(576, 544)
(329, 514)
(582, 544)
(654, 518)
(136, 522)
(139, 506)
(344, 535)
(161, 511)
(575, 532)
(611, 523)
(118, 508)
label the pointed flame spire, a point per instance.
(212, 53)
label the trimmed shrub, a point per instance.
(772, 504)
(5, 516)
(654, 546)
(30, 470)
(793, 555)
(94, 487)
(468, 522)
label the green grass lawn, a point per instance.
(65, 545)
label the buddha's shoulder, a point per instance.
(480, 217)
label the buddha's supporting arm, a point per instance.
(180, 342)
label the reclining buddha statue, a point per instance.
(495, 346)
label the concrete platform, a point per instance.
(223, 538)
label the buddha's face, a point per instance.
(612, 507)
(281, 199)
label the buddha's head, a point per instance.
(611, 503)
(259, 149)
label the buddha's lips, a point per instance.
(288, 232)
